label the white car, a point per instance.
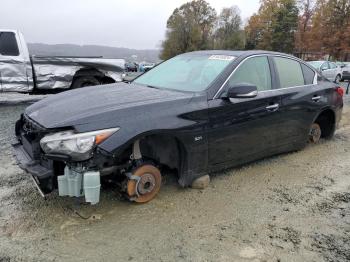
(328, 69)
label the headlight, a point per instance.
(78, 146)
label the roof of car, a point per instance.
(235, 53)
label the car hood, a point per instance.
(100, 104)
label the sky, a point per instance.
(139, 24)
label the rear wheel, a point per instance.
(83, 81)
(315, 133)
(144, 183)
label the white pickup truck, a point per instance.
(21, 72)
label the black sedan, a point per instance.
(196, 113)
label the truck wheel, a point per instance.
(144, 184)
(315, 133)
(83, 81)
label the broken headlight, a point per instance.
(76, 145)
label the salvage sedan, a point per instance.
(196, 113)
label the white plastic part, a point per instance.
(62, 185)
(92, 186)
(74, 182)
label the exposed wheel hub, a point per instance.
(143, 184)
(315, 133)
(146, 184)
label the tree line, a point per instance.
(290, 26)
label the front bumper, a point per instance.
(42, 174)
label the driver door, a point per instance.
(245, 129)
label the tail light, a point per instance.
(340, 91)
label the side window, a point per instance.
(309, 74)
(333, 66)
(254, 71)
(8, 44)
(325, 66)
(289, 72)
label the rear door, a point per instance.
(245, 129)
(12, 64)
(301, 99)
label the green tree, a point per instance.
(284, 26)
(228, 33)
(273, 27)
(189, 28)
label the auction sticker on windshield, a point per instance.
(222, 57)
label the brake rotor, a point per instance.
(144, 183)
(315, 133)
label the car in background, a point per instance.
(345, 71)
(22, 72)
(196, 113)
(329, 70)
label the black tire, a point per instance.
(84, 81)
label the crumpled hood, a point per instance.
(98, 104)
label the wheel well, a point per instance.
(165, 150)
(326, 120)
(101, 77)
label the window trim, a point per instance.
(269, 55)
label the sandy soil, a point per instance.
(293, 207)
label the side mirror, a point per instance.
(242, 91)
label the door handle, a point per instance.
(316, 98)
(273, 107)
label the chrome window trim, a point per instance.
(269, 55)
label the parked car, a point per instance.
(196, 113)
(22, 72)
(328, 69)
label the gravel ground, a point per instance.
(293, 207)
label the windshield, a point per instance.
(316, 64)
(185, 72)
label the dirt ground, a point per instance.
(293, 207)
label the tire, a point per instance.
(148, 185)
(315, 133)
(84, 81)
(337, 79)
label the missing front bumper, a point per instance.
(41, 175)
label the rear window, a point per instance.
(289, 72)
(8, 44)
(309, 74)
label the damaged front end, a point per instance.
(63, 159)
